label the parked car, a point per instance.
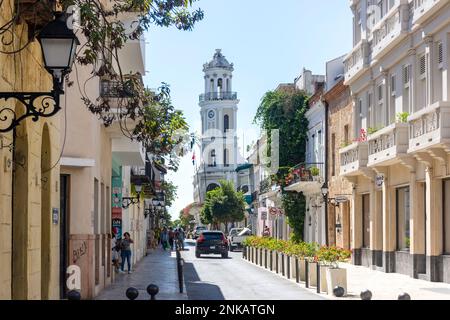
(211, 242)
(231, 235)
(235, 241)
(198, 230)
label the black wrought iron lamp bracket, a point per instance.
(37, 105)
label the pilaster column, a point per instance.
(355, 116)
(356, 225)
(389, 227)
(385, 111)
(412, 82)
(430, 52)
(434, 235)
(376, 218)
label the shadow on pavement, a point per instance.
(197, 290)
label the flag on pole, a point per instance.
(193, 159)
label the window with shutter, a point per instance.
(440, 51)
(406, 74)
(393, 85)
(422, 66)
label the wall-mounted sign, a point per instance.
(264, 215)
(55, 215)
(379, 180)
(341, 199)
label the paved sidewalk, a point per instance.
(159, 268)
(387, 286)
(384, 286)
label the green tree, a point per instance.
(185, 219)
(170, 192)
(223, 205)
(285, 110)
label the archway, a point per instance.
(212, 186)
(46, 222)
(19, 261)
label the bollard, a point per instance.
(366, 295)
(180, 271)
(306, 274)
(152, 290)
(339, 292)
(132, 293)
(73, 295)
(318, 277)
(297, 271)
(404, 296)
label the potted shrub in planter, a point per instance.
(336, 276)
(311, 258)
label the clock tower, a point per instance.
(218, 111)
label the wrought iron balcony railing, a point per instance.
(306, 172)
(216, 96)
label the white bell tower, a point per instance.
(218, 111)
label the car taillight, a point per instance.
(224, 240)
(201, 239)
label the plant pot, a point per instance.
(336, 277)
(323, 278)
(280, 262)
(292, 267)
(301, 270)
(312, 266)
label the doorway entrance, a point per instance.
(64, 233)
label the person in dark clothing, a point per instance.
(171, 238)
(125, 246)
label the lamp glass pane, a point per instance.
(57, 52)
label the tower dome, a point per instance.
(218, 61)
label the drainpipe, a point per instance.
(326, 169)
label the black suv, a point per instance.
(212, 242)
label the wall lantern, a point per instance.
(128, 201)
(324, 190)
(58, 44)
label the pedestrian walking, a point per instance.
(171, 237)
(115, 252)
(266, 232)
(125, 251)
(181, 237)
(164, 236)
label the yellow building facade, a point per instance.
(29, 174)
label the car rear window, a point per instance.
(212, 236)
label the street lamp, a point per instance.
(58, 44)
(324, 190)
(128, 201)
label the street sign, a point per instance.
(264, 215)
(341, 199)
(379, 180)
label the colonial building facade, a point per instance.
(399, 165)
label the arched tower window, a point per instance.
(226, 123)
(220, 85)
(212, 158)
(211, 86)
(228, 89)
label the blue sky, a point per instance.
(269, 43)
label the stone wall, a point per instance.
(23, 253)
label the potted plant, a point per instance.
(336, 276)
(402, 117)
(315, 171)
(311, 258)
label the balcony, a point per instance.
(127, 152)
(265, 185)
(387, 144)
(307, 178)
(390, 30)
(354, 158)
(356, 61)
(430, 127)
(218, 96)
(423, 9)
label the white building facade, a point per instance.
(399, 165)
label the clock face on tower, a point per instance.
(211, 114)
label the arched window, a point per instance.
(211, 86)
(220, 86)
(212, 158)
(212, 187)
(225, 158)
(226, 123)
